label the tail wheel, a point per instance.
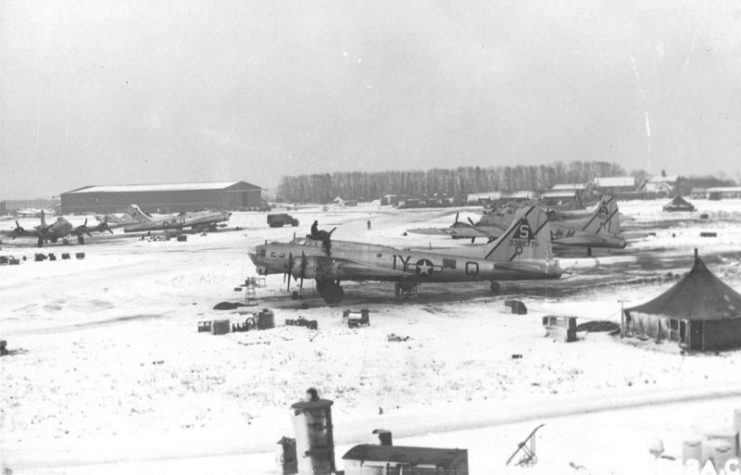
(495, 287)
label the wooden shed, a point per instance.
(369, 459)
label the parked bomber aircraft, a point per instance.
(599, 230)
(596, 228)
(522, 252)
(59, 229)
(32, 212)
(198, 221)
(461, 230)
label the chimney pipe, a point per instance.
(384, 436)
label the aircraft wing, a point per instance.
(20, 233)
(458, 232)
(591, 240)
(356, 270)
(471, 232)
(432, 231)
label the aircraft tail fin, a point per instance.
(605, 219)
(528, 237)
(140, 216)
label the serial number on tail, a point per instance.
(522, 243)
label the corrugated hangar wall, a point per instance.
(239, 195)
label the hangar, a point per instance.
(162, 198)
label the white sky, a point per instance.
(114, 92)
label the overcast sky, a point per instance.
(117, 92)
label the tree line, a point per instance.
(453, 182)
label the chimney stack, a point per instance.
(384, 436)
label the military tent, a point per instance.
(679, 204)
(700, 312)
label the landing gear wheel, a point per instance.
(80, 240)
(495, 287)
(321, 286)
(333, 294)
(40, 243)
(405, 290)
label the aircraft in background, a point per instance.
(601, 229)
(523, 251)
(485, 228)
(32, 212)
(59, 229)
(595, 228)
(198, 221)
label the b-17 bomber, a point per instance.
(522, 252)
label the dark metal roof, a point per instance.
(409, 455)
(700, 295)
(164, 187)
(318, 404)
(679, 203)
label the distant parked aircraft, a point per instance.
(198, 221)
(32, 212)
(596, 228)
(484, 228)
(599, 230)
(60, 229)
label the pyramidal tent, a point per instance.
(679, 204)
(700, 312)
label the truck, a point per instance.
(279, 220)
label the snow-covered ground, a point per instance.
(110, 373)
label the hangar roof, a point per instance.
(569, 187)
(161, 187)
(614, 181)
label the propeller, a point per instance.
(303, 270)
(82, 229)
(289, 272)
(103, 226)
(471, 221)
(301, 273)
(17, 231)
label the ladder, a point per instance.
(251, 284)
(527, 449)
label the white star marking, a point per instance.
(423, 268)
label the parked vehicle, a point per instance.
(279, 220)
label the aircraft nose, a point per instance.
(253, 255)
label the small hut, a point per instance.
(699, 312)
(678, 204)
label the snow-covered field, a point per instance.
(109, 372)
